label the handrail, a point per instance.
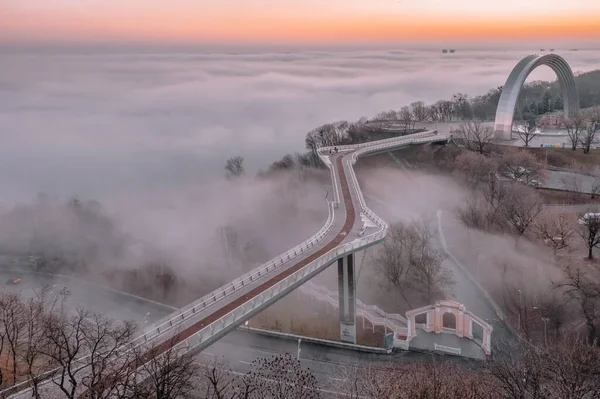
(220, 293)
(373, 313)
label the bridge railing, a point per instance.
(408, 137)
(383, 144)
(373, 313)
(286, 285)
(363, 149)
(171, 321)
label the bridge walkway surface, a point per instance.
(201, 323)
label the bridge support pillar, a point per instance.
(347, 298)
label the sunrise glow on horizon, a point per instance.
(295, 21)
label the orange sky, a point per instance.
(297, 21)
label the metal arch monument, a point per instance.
(510, 93)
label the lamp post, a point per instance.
(478, 267)
(520, 306)
(545, 320)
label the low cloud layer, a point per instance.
(95, 124)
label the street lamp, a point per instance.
(545, 320)
(478, 267)
(520, 306)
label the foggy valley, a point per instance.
(119, 169)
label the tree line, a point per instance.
(536, 98)
(39, 334)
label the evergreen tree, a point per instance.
(533, 108)
(558, 103)
(547, 102)
(540, 108)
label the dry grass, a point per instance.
(565, 157)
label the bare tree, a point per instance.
(406, 117)
(476, 168)
(410, 263)
(495, 195)
(568, 368)
(103, 341)
(590, 231)
(435, 113)
(45, 304)
(556, 229)
(527, 131)
(426, 274)
(281, 377)
(477, 136)
(445, 109)
(589, 135)
(357, 133)
(423, 379)
(419, 110)
(475, 212)
(579, 287)
(519, 369)
(521, 166)
(390, 115)
(217, 381)
(170, 374)
(14, 327)
(575, 127)
(461, 106)
(391, 261)
(572, 369)
(234, 167)
(65, 343)
(366, 379)
(521, 207)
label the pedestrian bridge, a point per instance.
(350, 226)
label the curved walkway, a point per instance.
(206, 320)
